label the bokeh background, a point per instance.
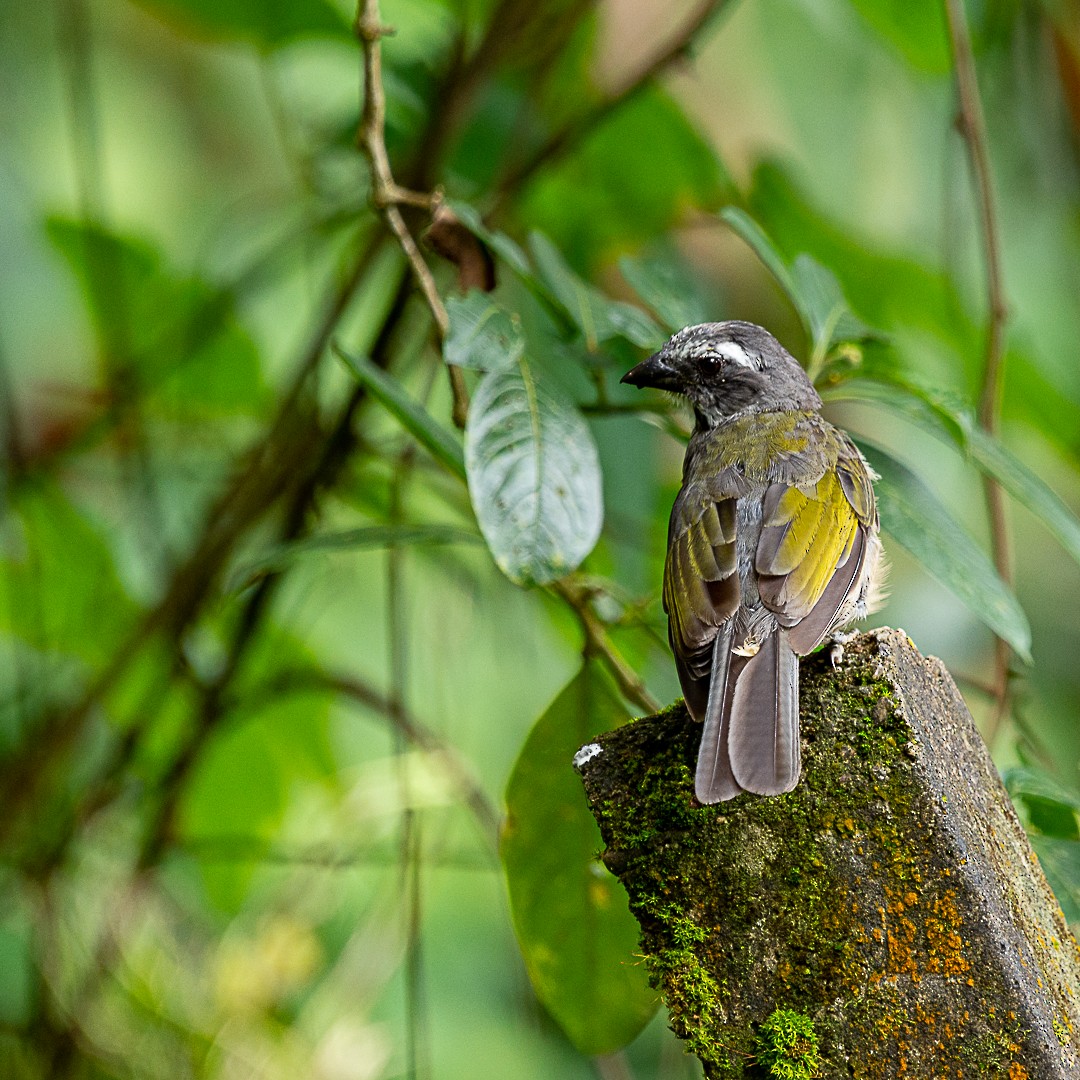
(251, 787)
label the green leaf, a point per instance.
(914, 517)
(60, 591)
(915, 28)
(481, 335)
(668, 287)
(362, 539)
(264, 23)
(830, 318)
(177, 335)
(570, 915)
(1021, 781)
(416, 420)
(598, 318)
(753, 235)
(939, 415)
(812, 289)
(534, 476)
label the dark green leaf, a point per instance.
(598, 318)
(481, 335)
(753, 234)
(264, 23)
(915, 28)
(570, 915)
(534, 476)
(441, 444)
(812, 288)
(668, 287)
(362, 539)
(914, 517)
(1022, 781)
(939, 415)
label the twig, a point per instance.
(598, 642)
(628, 88)
(268, 476)
(388, 196)
(411, 729)
(972, 125)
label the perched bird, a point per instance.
(772, 546)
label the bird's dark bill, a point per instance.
(652, 372)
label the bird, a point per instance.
(773, 546)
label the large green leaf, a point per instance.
(570, 915)
(534, 476)
(178, 336)
(265, 23)
(913, 516)
(812, 289)
(412, 416)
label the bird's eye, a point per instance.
(711, 363)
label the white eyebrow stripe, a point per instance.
(734, 352)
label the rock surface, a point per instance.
(892, 899)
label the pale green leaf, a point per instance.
(482, 335)
(668, 288)
(534, 476)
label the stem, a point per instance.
(388, 196)
(972, 125)
(598, 643)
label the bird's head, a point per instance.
(727, 368)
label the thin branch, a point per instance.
(598, 642)
(972, 125)
(258, 484)
(632, 83)
(413, 730)
(388, 196)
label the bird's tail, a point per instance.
(763, 725)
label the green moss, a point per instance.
(787, 1046)
(753, 904)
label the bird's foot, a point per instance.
(836, 647)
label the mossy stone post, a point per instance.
(885, 920)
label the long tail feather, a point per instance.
(714, 781)
(763, 729)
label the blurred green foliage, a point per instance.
(262, 681)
